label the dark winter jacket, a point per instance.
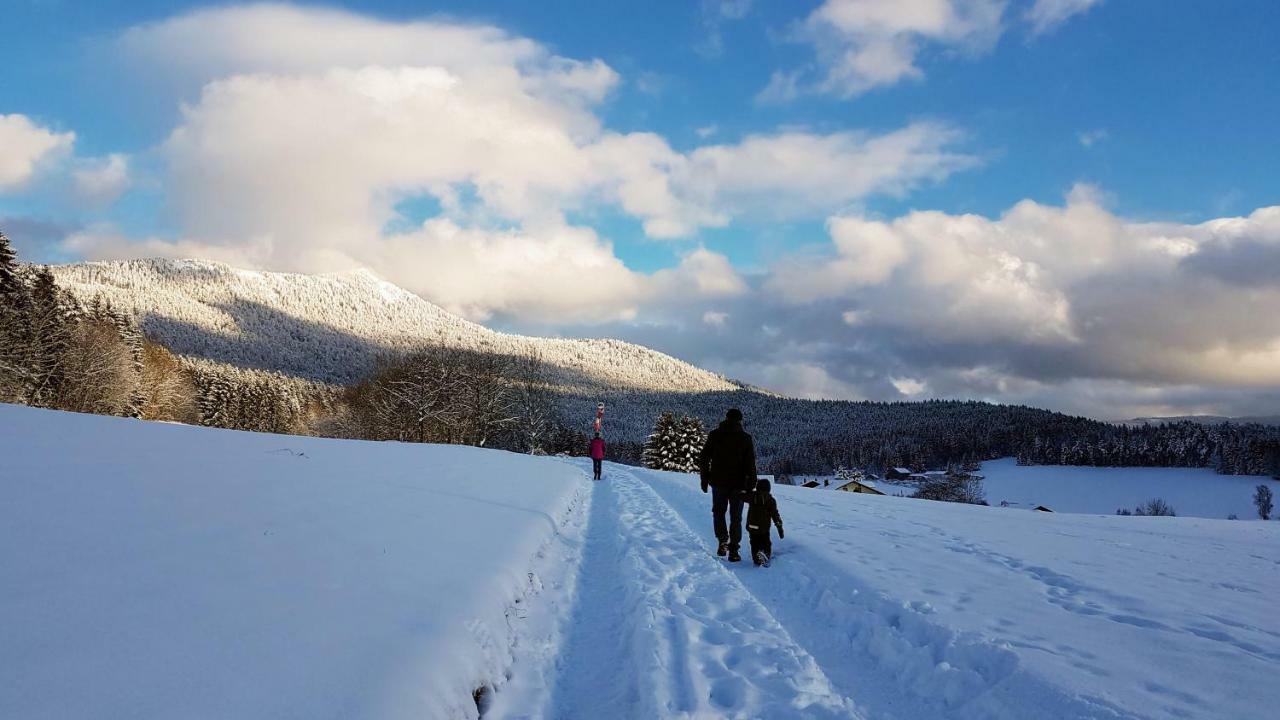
(763, 510)
(728, 459)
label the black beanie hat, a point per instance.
(734, 415)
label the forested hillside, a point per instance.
(353, 356)
(334, 328)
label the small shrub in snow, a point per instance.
(1262, 501)
(953, 487)
(1155, 507)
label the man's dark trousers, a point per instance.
(731, 500)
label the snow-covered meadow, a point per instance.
(163, 571)
(1193, 492)
(159, 571)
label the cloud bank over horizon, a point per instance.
(467, 164)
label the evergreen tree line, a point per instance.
(56, 353)
(1230, 448)
(814, 436)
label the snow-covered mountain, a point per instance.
(333, 328)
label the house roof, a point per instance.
(868, 486)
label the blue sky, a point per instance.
(1098, 116)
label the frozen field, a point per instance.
(162, 571)
(1193, 492)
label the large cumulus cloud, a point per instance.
(296, 154)
(1046, 304)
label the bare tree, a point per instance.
(1155, 507)
(485, 405)
(100, 372)
(421, 394)
(168, 387)
(413, 398)
(533, 402)
(958, 487)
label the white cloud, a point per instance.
(554, 273)
(24, 145)
(909, 386)
(1068, 291)
(794, 173)
(715, 13)
(700, 274)
(289, 40)
(715, 318)
(793, 378)
(1089, 138)
(1046, 15)
(101, 181)
(733, 9)
(308, 144)
(865, 44)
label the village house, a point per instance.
(859, 486)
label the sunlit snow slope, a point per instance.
(332, 328)
(151, 570)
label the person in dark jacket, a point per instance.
(596, 449)
(764, 510)
(727, 466)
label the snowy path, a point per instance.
(663, 629)
(887, 654)
(868, 614)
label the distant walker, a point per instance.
(596, 450)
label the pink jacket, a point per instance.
(597, 448)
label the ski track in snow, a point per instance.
(661, 628)
(886, 654)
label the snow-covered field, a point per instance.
(159, 571)
(1193, 492)
(162, 571)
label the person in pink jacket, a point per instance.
(596, 451)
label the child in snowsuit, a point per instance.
(764, 510)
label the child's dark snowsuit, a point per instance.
(764, 510)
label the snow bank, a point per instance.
(1193, 492)
(164, 571)
(924, 609)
